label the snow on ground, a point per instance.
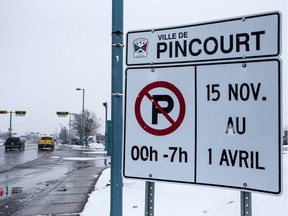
(92, 146)
(173, 199)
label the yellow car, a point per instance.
(46, 142)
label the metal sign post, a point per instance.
(117, 108)
(149, 198)
(246, 203)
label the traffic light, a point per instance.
(62, 113)
(20, 112)
(3, 111)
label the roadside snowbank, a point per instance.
(184, 200)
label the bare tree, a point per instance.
(90, 123)
(63, 135)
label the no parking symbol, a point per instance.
(157, 109)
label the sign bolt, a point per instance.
(150, 175)
(244, 65)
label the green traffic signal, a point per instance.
(20, 112)
(62, 113)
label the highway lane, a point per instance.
(27, 175)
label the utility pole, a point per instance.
(17, 113)
(10, 125)
(117, 108)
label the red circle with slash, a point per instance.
(174, 123)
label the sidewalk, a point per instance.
(68, 197)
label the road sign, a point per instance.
(239, 125)
(158, 128)
(158, 109)
(230, 135)
(237, 38)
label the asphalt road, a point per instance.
(48, 182)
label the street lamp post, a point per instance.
(82, 120)
(105, 104)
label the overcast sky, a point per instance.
(48, 48)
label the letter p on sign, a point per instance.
(157, 109)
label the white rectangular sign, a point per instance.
(239, 125)
(216, 124)
(159, 142)
(237, 38)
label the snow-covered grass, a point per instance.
(91, 146)
(185, 200)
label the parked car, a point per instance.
(14, 143)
